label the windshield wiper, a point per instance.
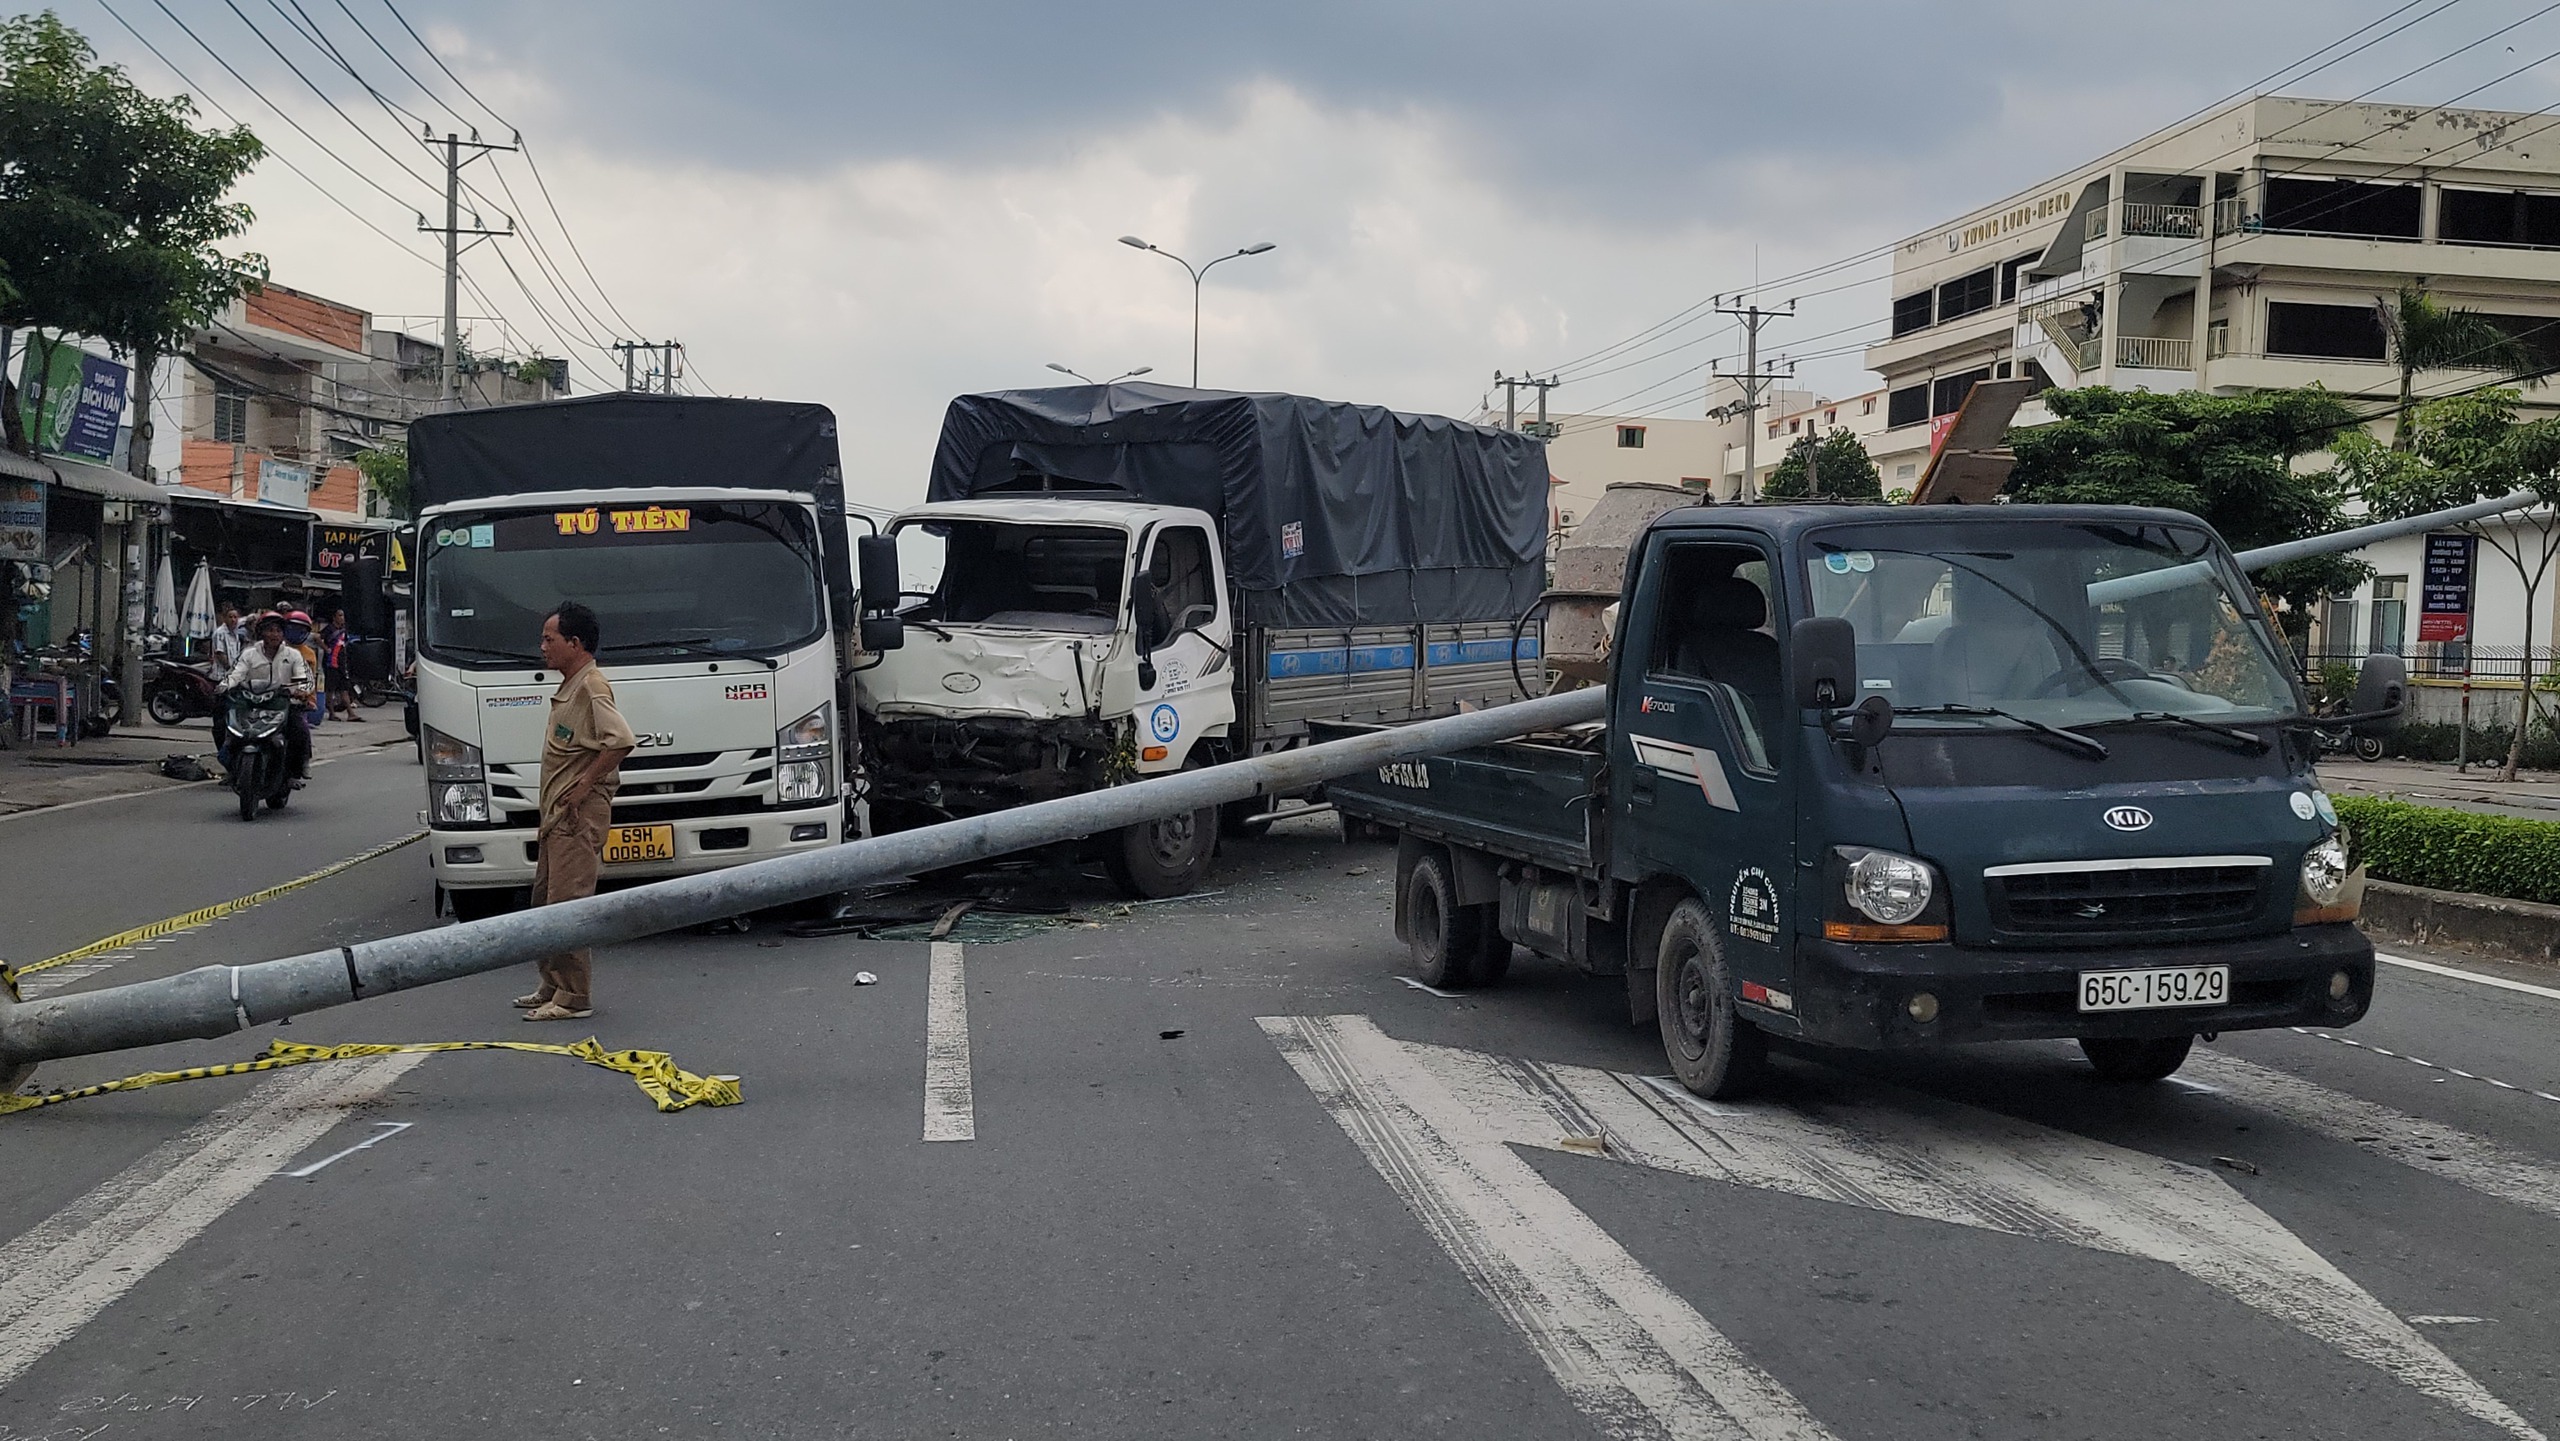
(693, 645)
(484, 652)
(2257, 744)
(2096, 749)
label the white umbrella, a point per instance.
(164, 598)
(195, 621)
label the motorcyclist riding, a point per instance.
(272, 665)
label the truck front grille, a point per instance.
(2121, 900)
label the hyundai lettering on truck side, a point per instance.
(1891, 777)
(1138, 578)
(704, 534)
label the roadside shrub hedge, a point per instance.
(2439, 740)
(2451, 850)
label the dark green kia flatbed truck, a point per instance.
(1879, 777)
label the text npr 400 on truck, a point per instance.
(709, 537)
(1908, 776)
(1135, 579)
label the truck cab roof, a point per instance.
(1046, 509)
(1787, 520)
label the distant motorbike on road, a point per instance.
(177, 691)
(257, 748)
(2340, 740)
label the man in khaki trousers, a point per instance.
(582, 755)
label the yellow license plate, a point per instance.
(640, 843)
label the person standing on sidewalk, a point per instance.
(581, 769)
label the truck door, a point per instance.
(1700, 744)
(1185, 631)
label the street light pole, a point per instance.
(1089, 380)
(1195, 273)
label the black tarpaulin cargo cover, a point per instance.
(624, 442)
(1334, 514)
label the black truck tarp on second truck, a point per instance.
(1334, 514)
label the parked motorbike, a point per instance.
(2339, 740)
(177, 691)
(258, 749)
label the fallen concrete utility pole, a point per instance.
(217, 1000)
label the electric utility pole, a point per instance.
(1753, 380)
(1511, 385)
(661, 374)
(453, 230)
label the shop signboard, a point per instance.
(74, 403)
(335, 547)
(2444, 591)
(22, 521)
(281, 482)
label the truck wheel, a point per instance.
(1447, 939)
(1714, 1052)
(2132, 1062)
(1155, 859)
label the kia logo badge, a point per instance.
(2128, 818)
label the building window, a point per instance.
(1631, 437)
(1911, 313)
(2338, 626)
(1947, 392)
(2540, 333)
(1906, 470)
(1907, 406)
(2000, 371)
(2011, 270)
(1773, 430)
(1964, 295)
(2324, 332)
(2343, 207)
(2390, 613)
(1867, 406)
(1831, 417)
(2038, 381)
(230, 414)
(1794, 425)
(2498, 217)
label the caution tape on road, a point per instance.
(669, 1085)
(202, 916)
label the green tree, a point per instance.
(111, 205)
(2228, 459)
(2421, 333)
(2461, 449)
(386, 474)
(1842, 468)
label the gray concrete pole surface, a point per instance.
(217, 1000)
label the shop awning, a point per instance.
(98, 480)
(18, 467)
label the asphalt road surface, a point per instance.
(1210, 1168)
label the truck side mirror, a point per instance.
(882, 633)
(877, 555)
(2381, 692)
(1824, 668)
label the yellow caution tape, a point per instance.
(202, 916)
(671, 1087)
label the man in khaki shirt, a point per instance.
(582, 755)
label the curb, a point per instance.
(2526, 931)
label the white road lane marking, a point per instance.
(54, 1278)
(2475, 977)
(383, 1131)
(2455, 1155)
(950, 1114)
(1432, 990)
(2448, 1320)
(1633, 1357)
(1909, 1154)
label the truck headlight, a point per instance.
(1889, 889)
(804, 757)
(1881, 896)
(2332, 886)
(457, 781)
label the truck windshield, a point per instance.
(665, 581)
(1042, 577)
(2071, 624)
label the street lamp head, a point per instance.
(1062, 370)
(1257, 248)
(1141, 370)
(1135, 243)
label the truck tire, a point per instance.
(1714, 1052)
(2134, 1062)
(1447, 939)
(1156, 859)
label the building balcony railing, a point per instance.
(2151, 352)
(2176, 222)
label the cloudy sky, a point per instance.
(878, 207)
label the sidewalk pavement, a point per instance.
(34, 777)
(2533, 795)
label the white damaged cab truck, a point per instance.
(1137, 578)
(708, 535)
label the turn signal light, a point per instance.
(1153, 753)
(1871, 931)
